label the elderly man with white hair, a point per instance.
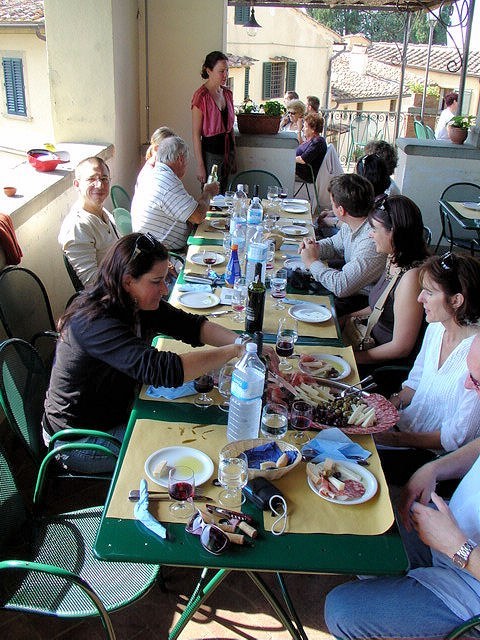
(163, 207)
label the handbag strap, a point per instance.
(379, 306)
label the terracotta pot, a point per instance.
(457, 135)
(9, 191)
(258, 123)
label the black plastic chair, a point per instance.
(25, 311)
(458, 192)
(75, 280)
(120, 197)
(264, 179)
(23, 387)
(54, 571)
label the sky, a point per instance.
(475, 35)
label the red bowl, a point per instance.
(43, 160)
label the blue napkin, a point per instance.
(194, 287)
(266, 452)
(333, 443)
(142, 513)
(171, 393)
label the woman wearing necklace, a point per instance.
(437, 412)
(397, 230)
(213, 116)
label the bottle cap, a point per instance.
(234, 247)
(251, 347)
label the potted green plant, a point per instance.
(263, 119)
(431, 97)
(458, 128)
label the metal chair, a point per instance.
(75, 280)
(458, 192)
(25, 311)
(427, 235)
(120, 197)
(363, 128)
(264, 179)
(23, 387)
(420, 131)
(458, 632)
(54, 572)
(304, 183)
(430, 133)
(123, 220)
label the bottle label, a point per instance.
(254, 216)
(247, 388)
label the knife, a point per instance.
(214, 314)
(158, 496)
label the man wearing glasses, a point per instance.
(442, 589)
(88, 230)
(164, 208)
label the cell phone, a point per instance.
(260, 490)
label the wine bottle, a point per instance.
(213, 177)
(256, 302)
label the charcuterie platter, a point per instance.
(341, 482)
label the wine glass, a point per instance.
(181, 487)
(278, 288)
(229, 200)
(272, 193)
(209, 258)
(287, 335)
(233, 476)
(301, 416)
(271, 254)
(224, 385)
(283, 193)
(239, 298)
(203, 385)
(274, 420)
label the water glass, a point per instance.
(301, 416)
(224, 385)
(229, 200)
(233, 476)
(271, 254)
(274, 420)
(181, 488)
(272, 193)
(278, 288)
(239, 298)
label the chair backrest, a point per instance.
(24, 305)
(23, 386)
(363, 128)
(77, 283)
(123, 220)
(427, 235)
(430, 133)
(419, 128)
(13, 514)
(120, 197)
(264, 179)
(456, 192)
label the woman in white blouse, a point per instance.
(437, 412)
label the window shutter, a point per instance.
(291, 75)
(242, 14)
(267, 81)
(246, 90)
(14, 86)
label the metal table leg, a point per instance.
(291, 609)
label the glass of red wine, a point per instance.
(203, 385)
(287, 335)
(283, 193)
(209, 259)
(181, 488)
(301, 416)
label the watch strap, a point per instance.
(460, 558)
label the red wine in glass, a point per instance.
(284, 348)
(181, 491)
(203, 384)
(208, 260)
(301, 423)
(283, 194)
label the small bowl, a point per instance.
(9, 191)
(42, 160)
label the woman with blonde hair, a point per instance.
(295, 111)
(157, 136)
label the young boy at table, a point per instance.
(442, 588)
(352, 199)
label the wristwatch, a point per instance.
(243, 338)
(460, 558)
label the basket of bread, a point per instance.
(266, 458)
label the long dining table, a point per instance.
(321, 537)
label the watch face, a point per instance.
(459, 561)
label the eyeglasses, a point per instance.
(212, 538)
(291, 113)
(102, 180)
(447, 261)
(145, 243)
(475, 383)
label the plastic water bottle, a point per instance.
(257, 251)
(255, 212)
(240, 201)
(248, 379)
(233, 269)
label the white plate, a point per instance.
(199, 300)
(201, 464)
(218, 201)
(294, 201)
(474, 206)
(295, 208)
(310, 312)
(295, 263)
(294, 230)
(197, 258)
(221, 224)
(337, 362)
(368, 479)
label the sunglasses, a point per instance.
(475, 382)
(447, 261)
(291, 113)
(145, 243)
(212, 538)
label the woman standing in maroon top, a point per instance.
(213, 116)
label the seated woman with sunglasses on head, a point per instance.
(103, 351)
(397, 231)
(437, 412)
